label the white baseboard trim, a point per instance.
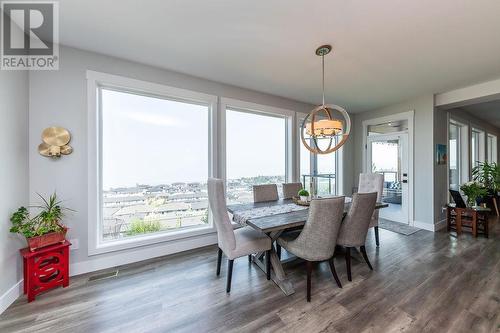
(440, 225)
(430, 226)
(423, 225)
(11, 295)
(118, 258)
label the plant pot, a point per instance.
(304, 198)
(51, 238)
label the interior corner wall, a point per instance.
(60, 98)
(13, 177)
(423, 152)
(440, 171)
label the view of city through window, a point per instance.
(155, 162)
(255, 152)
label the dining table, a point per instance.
(273, 218)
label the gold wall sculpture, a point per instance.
(55, 142)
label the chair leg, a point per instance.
(377, 241)
(219, 259)
(229, 275)
(348, 262)
(268, 264)
(250, 258)
(363, 252)
(334, 272)
(278, 250)
(309, 273)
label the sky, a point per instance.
(148, 140)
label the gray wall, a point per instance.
(13, 171)
(423, 150)
(60, 98)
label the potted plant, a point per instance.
(487, 174)
(304, 195)
(473, 190)
(45, 228)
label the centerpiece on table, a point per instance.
(43, 229)
(303, 195)
(473, 190)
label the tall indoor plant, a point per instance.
(43, 229)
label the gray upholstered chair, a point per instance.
(317, 240)
(355, 226)
(291, 190)
(234, 243)
(372, 182)
(267, 192)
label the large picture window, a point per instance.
(256, 152)
(154, 164)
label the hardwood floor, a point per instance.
(425, 282)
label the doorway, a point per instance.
(387, 154)
(388, 143)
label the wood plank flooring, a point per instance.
(425, 282)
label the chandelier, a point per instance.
(321, 132)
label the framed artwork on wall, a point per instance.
(441, 155)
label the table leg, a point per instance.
(278, 274)
(474, 224)
(459, 222)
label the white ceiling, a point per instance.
(488, 111)
(385, 51)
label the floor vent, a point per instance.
(103, 276)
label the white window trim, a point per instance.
(96, 80)
(493, 150)
(289, 116)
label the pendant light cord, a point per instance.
(323, 82)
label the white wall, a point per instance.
(13, 177)
(423, 152)
(60, 98)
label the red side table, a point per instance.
(45, 268)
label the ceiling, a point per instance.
(488, 111)
(384, 51)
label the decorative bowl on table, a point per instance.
(300, 202)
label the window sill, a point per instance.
(134, 242)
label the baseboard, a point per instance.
(423, 225)
(430, 226)
(440, 225)
(119, 258)
(11, 295)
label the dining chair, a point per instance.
(291, 190)
(355, 226)
(267, 192)
(372, 182)
(234, 243)
(317, 240)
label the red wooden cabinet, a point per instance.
(45, 268)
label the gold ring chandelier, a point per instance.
(321, 132)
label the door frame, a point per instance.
(405, 189)
(409, 116)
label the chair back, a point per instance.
(319, 236)
(372, 182)
(291, 190)
(217, 202)
(355, 225)
(267, 192)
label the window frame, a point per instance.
(491, 149)
(258, 109)
(95, 82)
